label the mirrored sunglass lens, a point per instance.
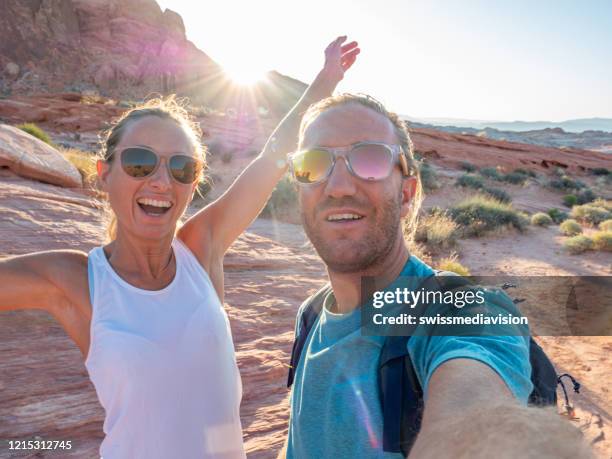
(311, 166)
(184, 168)
(371, 162)
(138, 162)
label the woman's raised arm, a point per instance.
(218, 225)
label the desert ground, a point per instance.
(270, 270)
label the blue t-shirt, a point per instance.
(335, 404)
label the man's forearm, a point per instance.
(505, 431)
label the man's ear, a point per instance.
(409, 187)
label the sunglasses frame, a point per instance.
(159, 160)
(342, 152)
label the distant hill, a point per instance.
(600, 141)
(574, 126)
(124, 49)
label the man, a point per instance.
(357, 181)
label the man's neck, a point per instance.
(347, 287)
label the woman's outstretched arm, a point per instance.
(39, 280)
(218, 225)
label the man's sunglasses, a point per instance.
(140, 162)
(370, 161)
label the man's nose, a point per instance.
(340, 182)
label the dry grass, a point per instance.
(578, 244)
(602, 240)
(570, 227)
(452, 264)
(437, 231)
(85, 163)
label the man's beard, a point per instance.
(365, 253)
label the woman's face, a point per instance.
(149, 207)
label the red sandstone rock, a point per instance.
(29, 157)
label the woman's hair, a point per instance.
(401, 132)
(167, 108)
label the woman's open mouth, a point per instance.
(154, 207)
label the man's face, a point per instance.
(353, 245)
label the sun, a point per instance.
(244, 76)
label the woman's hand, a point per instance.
(339, 58)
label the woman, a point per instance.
(146, 309)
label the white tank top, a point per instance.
(163, 365)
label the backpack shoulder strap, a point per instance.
(401, 393)
(306, 317)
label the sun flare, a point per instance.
(244, 76)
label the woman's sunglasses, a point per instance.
(140, 162)
(371, 161)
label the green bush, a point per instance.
(600, 171)
(470, 181)
(498, 194)
(591, 213)
(515, 178)
(491, 172)
(570, 200)
(585, 196)
(606, 225)
(527, 172)
(479, 214)
(602, 240)
(557, 215)
(468, 167)
(565, 183)
(429, 177)
(35, 131)
(570, 227)
(578, 244)
(541, 219)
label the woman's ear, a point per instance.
(103, 169)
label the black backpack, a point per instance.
(401, 394)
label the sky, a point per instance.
(472, 59)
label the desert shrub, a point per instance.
(527, 172)
(570, 200)
(85, 163)
(541, 219)
(565, 183)
(35, 131)
(429, 177)
(603, 203)
(600, 171)
(515, 178)
(470, 181)
(557, 215)
(283, 200)
(468, 167)
(591, 213)
(498, 194)
(602, 240)
(585, 196)
(570, 227)
(451, 264)
(437, 230)
(491, 172)
(578, 244)
(606, 225)
(227, 157)
(479, 214)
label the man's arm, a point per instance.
(471, 413)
